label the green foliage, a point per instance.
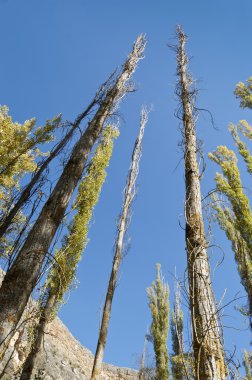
(243, 92)
(246, 129)
(247, 362)
(235, 219)
(177, 326)
(19, 148)
(234, 213)
(18, 153)
(181, 362)
(68, 257)
(231, 186)
(226, 220)
(158, 295)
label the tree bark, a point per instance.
(25, 195)
(22, 277)
(207, 344)
(30, 362)
(118, 255)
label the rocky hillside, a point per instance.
(62, 358)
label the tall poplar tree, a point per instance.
(206, 339)
(129, 195)
(22, 277)
(67, 258)
(179, 361)
(233, 212)
(158, 295)
(247, 362)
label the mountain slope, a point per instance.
(61, 358)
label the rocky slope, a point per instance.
(61, 358)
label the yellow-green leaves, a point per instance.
(247, 362)
(243, 92)
(234, 213)
(67, 258)
(158, 295)
(227, 221)
(19, 148)
(230, 185)
(179, 362)
(246, 130)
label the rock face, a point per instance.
(61, 358)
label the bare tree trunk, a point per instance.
(25, 195)
(207, 344)
(22, 277)
(118, 255)
(45, 317)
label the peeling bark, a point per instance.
(207, 344)
(118, 255)
(22, 277)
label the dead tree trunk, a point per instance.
(26, 193)
(118, 255)
(22, 277)
(30, 362)
(207, 344)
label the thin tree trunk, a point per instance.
(30, 362)
(25, 195)
(207, 344)
(142, 364)
(118, 255)
(66, 259)
(22, 277)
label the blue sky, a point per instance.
(54, 55)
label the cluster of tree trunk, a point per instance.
(23, 275)
(206, 360)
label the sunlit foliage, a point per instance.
(158, 295)
(19, 149)
(180, 362)
(233, 212)
(67, 258)
(243, 92)
(247, 362)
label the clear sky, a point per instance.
(54, 55)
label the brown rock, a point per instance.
(62, 357)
